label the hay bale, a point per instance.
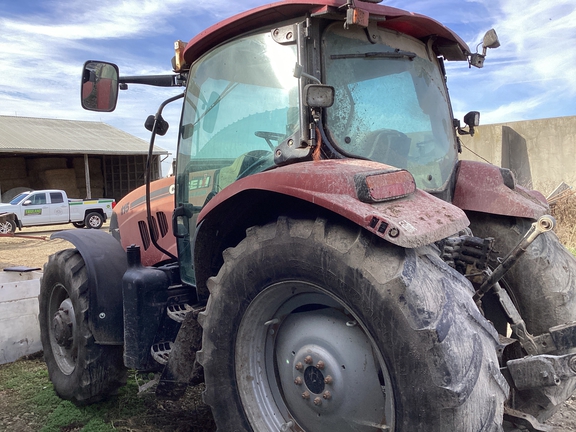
(73, 192)
(9, 194)
(96, 192)
(59, 179)
(6, 184)
(12, 168)
(45, 164)
(94, 165)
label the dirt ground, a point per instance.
(34, 252)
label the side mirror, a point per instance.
(99, 91)
(27, 203)
(318, 96)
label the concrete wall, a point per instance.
(541, 153)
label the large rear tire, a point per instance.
(321, 326)
(543, 286)
(80, 370)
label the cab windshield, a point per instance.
(242, 99)
(391, 104)
(19, 198)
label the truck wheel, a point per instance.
(93, 220)
(80, 370)
(7, 227)
(543, 285)
(320, 326)
(79, 224)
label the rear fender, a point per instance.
(409, 221)
(105, 265)
(490, 189)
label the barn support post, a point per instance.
(87, 173)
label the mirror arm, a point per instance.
(155, 80)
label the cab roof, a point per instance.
(447, 43)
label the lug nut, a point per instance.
(328, 379)
(298, 381)
(317, 401)
(299, 366)
(327, 395)
(320, 365)
(306, 395)
(308, 360)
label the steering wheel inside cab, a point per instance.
(388, 146)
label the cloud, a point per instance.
(111, 19)
(536, 61)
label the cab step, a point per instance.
(178, 311)
(161, 352)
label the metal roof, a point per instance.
(37, 135)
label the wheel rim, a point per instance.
(94, 221)
(5, 228)
(62, 329)
(304, 362)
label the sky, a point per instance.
(44, 43)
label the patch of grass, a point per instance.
(29, 404)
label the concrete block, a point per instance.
(19, 327)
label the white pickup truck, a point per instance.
(52, 207)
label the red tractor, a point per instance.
(337, 267)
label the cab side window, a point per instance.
(56, 197)
(38, 199)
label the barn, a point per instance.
(86, 159)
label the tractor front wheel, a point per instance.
(80, 370)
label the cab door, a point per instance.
(58, 207)
(35, 210)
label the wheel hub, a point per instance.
(326, 371)
(63, 324)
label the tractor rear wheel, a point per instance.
(320, 326)
(80, 370)
(543, 286)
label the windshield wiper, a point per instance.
(398, 54)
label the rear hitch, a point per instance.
(543, 224)
(531, 344)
